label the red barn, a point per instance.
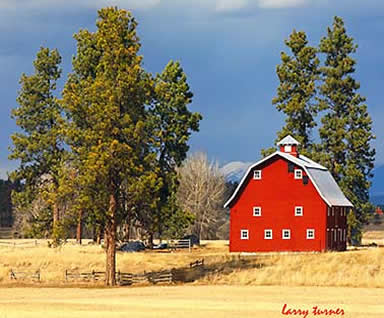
(287, 202)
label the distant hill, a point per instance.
(235, 170)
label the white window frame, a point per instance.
(302, 211)
(257, 174)
(289, 234)
(310, 231)
(287, 148)
(298, 173)
(257, 211)
(244, 231)
(265, 234)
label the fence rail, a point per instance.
(123, 279)
(25, 275)
(21, 244)
(181, 244)
(197, 263)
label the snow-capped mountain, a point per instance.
(234, 171)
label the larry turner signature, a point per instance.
(315, 311)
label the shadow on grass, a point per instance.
(224, 267)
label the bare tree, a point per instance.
(201, 192)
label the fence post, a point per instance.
(189, 245)
(66, 275)
(35, 242)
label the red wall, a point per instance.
(277, 193)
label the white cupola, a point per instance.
(289, 145)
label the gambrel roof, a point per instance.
(321, 178)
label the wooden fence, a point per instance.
(124, 279)
(25, 275)
(181, 244)
(21, 244)
(197, 263)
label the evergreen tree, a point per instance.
(39, 146)
(346, 130)
(173, 124)
(296, 93)
(105, 99)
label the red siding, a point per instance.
(277, 193)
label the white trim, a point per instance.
(289, 234)
(243, 231)
(255, 208)
(309, 231)
(298, 173)
(265, 234)
(297, 208)
(257, 175)
(290, 158)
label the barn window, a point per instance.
(345, 234)
(257, 174)
(287, 148)
(335, 234)
(310, 234)
(286, 235)
(298, 174)
(305, 180)
(256, 211)
(244, 234)
(291, 167)
(329, 211)
(298, 211)
(268, 234)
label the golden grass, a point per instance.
(187, 302)
(362, 268)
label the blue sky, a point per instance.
(228, 48)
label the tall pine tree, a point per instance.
(39, 146)
(173, 124)
(346, 131)
(105, 98)
(298, 73)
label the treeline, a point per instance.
(105, 150)
(317, 87)
(6, 215)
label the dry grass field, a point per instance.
(360, 268)
(188, 302)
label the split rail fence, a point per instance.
(124, 279)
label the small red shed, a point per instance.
(287, 202)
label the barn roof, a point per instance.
(321, 178)
(288, 140)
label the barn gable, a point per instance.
(321, 178)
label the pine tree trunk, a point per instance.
(79, 231)
(110, 238)
(55, 214)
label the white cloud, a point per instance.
(281, 3)
(44, 4)
(230, 5)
